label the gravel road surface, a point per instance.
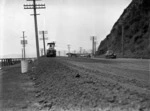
(77, 84)
(82, 84)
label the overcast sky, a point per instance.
(67, 22)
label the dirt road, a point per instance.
(81, 84)
(86, 84)
(130, 72)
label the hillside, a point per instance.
(134, 26)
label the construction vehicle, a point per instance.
(51, 51)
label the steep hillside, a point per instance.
(134, 26)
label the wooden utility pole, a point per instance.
(22, 53)
(93, 44)
(93, 41)
(35, 6)
(80, 50)
(42, 52)
(43, 33)
(149, 40)
(84, 51)
(122, 41)
(68, 48)
(64, 53)
(24, 42)
(59, 53)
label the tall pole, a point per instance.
(23, 42)
(35, 6)
(24, 45)
(95, 47)
(59, 53)
(42, 52)
(43, 33)
(68, 48)
(36, 29)
(80, 50)
(83, 51)
(64, 53)
(44, 42)
(93, 44)
(93, 40)
(122, 39)
(149, 40)
(22, 53)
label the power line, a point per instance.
(35, 6)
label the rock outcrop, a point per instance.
(132, 30)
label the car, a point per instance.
(110, 54)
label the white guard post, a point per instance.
(24, 66)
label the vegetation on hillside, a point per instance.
(134, 24)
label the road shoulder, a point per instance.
(17, 90)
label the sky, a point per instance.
(70, 22)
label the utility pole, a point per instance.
(68, 48)
(35, 6)
(59, 53)
(22, 53)
(43, 33)
(84, 51)
(93, 40)
(80, 50)
(64, 53)
(24, 42)
(122, 39)
(42, 52)
(149, 40)
(95, 47)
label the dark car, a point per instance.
(110, 54)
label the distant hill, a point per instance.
(10, 56)
(135, 25)
(16, 56)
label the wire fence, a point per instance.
(9, 61)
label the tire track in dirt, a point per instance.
(109, 74)
(63, 84)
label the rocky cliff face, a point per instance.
(132, 31)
